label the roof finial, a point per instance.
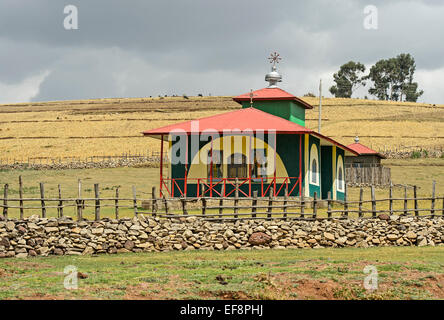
(356, 139)
(273, 77)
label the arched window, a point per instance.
(340, 175)
(314, 171)
(237, 166)
(217, 164)
(314, 165)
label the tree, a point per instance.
(347, 79)
(393, 78)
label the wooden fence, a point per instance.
(221, 208)
(368, 175)
(153, 156)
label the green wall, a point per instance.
(285, 109)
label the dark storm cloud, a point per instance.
(140, 48)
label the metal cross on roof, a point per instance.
(274, 58)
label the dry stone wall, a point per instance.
(36, 236)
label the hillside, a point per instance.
(83, 128)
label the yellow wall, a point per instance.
(234, 144)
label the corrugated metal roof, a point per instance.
(363, 150)
(271, 94)
(242, 119)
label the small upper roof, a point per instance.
(271, 94)
(363, 150)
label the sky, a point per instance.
(142, 48)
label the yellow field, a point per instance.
(113, 126)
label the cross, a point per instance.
(274, 58)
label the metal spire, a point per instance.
(273, 77)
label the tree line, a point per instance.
(391, 79)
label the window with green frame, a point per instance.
(259, 169)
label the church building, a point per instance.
(264, 146)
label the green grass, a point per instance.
(404, 273)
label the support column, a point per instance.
(306, 166)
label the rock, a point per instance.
(97, 231)
(341, 240)
(88, 251)
(4, 242)
(32, 253)
(392, 237)
(376, 241)
(259, 238)
(422, 242)
(219, 246)
(384, 216)
(394, 217)
(187, 233)
(43, 250)
(82, 275)
(329, 236)
(410, 235)
(10, 226)
(58, 251)
(21, 255)
(177, 246)
(129, 245)
(21, 229)
(51, 229)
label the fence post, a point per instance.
(345, 202)
(42, 199)
(302, 202)
(405, 201)
(135, 201)
(432, 205)
(21, 197)
(270, 204)
(165, 203)
(285, 202)
(5, 201)
(116, 203)
(415, 201)
(221, 201)
(97, 205)
(154, 202)
(60, 206)
(254, 204)
(391, 199)
(373, 201)
(79, 201)
(361, 195)
(329, 205)
(204, 205)
(184, 205)
(315, 205)
(236, 198)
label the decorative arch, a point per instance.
(314, 165)
(340, 175)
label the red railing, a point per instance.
(277, 184)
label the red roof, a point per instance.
(242, 119)
(271, 94)
(363, 150)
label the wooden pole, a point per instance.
(236, 197)
(79, 201)
(314, 205)
(254, 204)
(415, 201)
(432, 205)
(285, 202)
(329, 205)
(97, 204)
(5, 201)
(135, 201)
(154, 201)
(373, 201)
(270, 204)
(345, 202)
(221, 201)
(116, 203)
(184, 205)
(60, 206)
(204, 205)
(361, 195)
(21, 197)
(42, 199)
(405, 201)
(302, 202)
(391, 199)
(165, 203)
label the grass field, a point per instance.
(403, 273)
(418, 172)
(112, 126)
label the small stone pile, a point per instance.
(41, 236)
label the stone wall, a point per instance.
(36, 236)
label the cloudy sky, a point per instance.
(138, 48)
